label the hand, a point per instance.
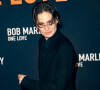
(20, 77)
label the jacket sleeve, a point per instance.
(65, 73)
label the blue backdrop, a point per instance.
(19, 41)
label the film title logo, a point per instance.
(88, 57)
(1, 59)
(14, 34)
(19, 34)
(17, 2)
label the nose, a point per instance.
(46, 27)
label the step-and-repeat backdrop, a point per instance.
(19, 40)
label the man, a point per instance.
(57, 56)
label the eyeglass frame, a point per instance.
(49, 23)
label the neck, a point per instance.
(46, 38)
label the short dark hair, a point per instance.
(45, 6)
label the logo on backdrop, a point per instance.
(1, 59)
(20, 34)
(18, 2)
(87, 57)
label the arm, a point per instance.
(64, 74)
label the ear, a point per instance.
(57, 20)
(36, 26)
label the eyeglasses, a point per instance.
(49, 23)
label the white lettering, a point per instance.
(1, 59)
(13, 31)
(80, 64)
(12, 38)
(91, 56)
(81, 57)
(87, 57)
(19, 38)
(30, 30)
(96, 57)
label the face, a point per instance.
(46, 24)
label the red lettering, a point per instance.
(16, 2)
(0, 3)
(58, 0)
(30, 1)
(44, 0)
(61, 0)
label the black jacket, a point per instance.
(57, 69)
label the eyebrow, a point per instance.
(42, 22)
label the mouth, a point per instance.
(48, 32)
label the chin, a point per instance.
(48, 36)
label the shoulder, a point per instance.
(63, 42)
(66, 49)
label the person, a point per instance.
(57, 56)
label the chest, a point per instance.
(47, 63)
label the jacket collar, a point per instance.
(50, 41)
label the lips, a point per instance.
(48, 32)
